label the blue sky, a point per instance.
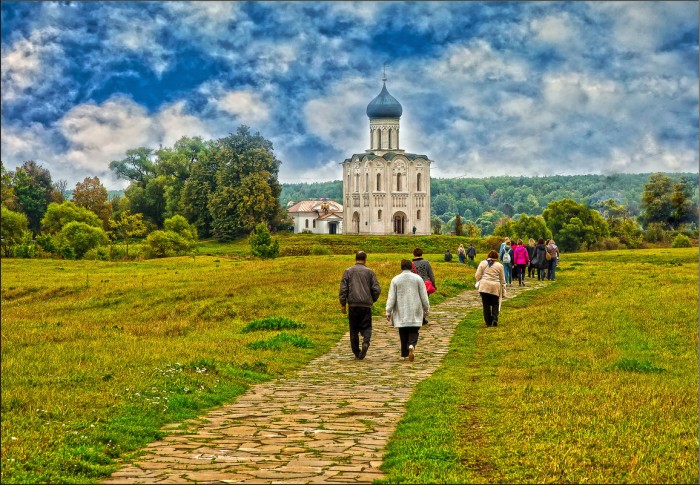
(494, 88)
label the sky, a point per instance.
(487, 89)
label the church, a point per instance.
(385, 189)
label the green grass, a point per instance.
(592, 379)
(282, 340)
(98, 356)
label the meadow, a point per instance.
(98, 356)
(593, 378)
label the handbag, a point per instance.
(547, 256)
(429, 287)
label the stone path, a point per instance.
(330, 423)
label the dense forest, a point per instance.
(488, 199)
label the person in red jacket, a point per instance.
(521, 259)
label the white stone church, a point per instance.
(385, 189)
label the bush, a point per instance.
(81, 237)
(261, 243)
(25, 250)
(179, 225)
(608, 244)
(318, 250)
(99, 253)
(13, 229)
(681, 241)
(66, 252)
(493, 242)
(162, 244)
(656, 233)
(46, 243)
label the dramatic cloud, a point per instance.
(531, 88)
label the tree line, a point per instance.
(226, 188)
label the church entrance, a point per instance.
(356, 223)
(400, 223)
(332, 228)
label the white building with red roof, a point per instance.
(316, 216)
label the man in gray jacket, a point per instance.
(359, 289)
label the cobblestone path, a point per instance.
(329, 423)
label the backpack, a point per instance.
(506, 255)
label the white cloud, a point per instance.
(30, 62)
(554, 29)
(477, 60)
(245, 105)
(172, 123)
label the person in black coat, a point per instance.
(539, 259)
(531, 253)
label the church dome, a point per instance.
(384, 106)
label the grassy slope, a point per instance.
(97, 356)
(593, 379)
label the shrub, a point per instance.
(681, 241)
(13, 228)
(100, 253)
(609, 243)
(25, 250)
(261, 243)
(66, 252)
(493, 242)
(318, 250)
(272, 323)
(46, 243)
(656, 233)
(81, 237)
(162, 244)
(179, 225)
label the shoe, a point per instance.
(411, 355)
(363, 352)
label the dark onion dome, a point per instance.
(384, 106)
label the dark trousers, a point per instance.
(409, 336)
(520, 273)
(541, 273)
(490, 303)
(360, 319)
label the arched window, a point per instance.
(349, 186)
(379, 182)
(314, 223)
(390, 145)
(398, 182)
(357, 182)
(307, 223)
(366, 182)
(379, 215)
(418, 182)
(418, 215)
(379, 138)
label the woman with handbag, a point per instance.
(539, 259)
(491, 278)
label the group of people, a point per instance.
(407, 304)
(462, 253)
(541, 257)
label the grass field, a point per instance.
(97, 356)
(591, 380)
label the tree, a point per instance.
(681, 200)
(194, 199)
(13, 228)
(261, 243)
(60, 189)
(58, 215)
(472, 230)
(573, 224)
(531, 227)
(91, 194)
(81, 237)
(136, 167)
(179, 225)
(458, 226)
(247, 191)
(126, 226)
(33, 188)
(435, 225)
(7, 192)
(656, 200)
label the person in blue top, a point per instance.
(506, 257)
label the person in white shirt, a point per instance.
(406, 306)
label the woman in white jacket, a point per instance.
(406, 306)
(492, 287)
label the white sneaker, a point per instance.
(411, 355)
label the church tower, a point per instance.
(385, 189)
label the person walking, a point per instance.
(503, 244)
(414, 230)
(423, 269)
(407, 305)
(471, 252)
(359, 289)
(461, 253)
(506, 256)
(520, 259)
(491, 278)
(539, 260)
(530, 252)
(553, 252)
